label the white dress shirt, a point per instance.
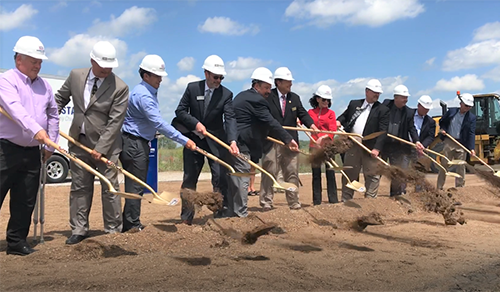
(88, 91)
(359, 125)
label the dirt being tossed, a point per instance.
(250, 237)
(371, 219)
(329, 149)
(489, 177)
(212, 200)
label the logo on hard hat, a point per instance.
(41, 49)
(107, 59)
(219, 65)
(162, 67)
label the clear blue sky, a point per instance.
(433, 47)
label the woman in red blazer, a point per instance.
(324, 118)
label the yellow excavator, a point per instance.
(487, 110)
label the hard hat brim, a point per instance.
(429, 107)
(284, 78)
(107, 64)
(375, 90)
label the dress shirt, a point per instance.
(32, 106)
(359, 125)
(456, 125)
(143, 116)
(88, 92)
(419, 121)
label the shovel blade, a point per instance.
(128, 195)
(357, 186)
(497, 173)
(373, 135)
(171, 199)
(241, 174)
(339, 168)
(457, 162)
(286, 186)
(453, 174)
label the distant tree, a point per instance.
(166, 143)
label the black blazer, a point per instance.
(468, 130)
(428, 130)
(254, 121)
(406, 126)
(219, 120)
(378, 120)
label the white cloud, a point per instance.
(372, 13)
(493, 74)
(16, 18)
(466, 82)
(132, 20)
(60, 5)
(186, 64)
(487, 32)
(76, 51)
(129, 67)
(226, 26)
(475, 55)
(242, 68)
(92, 3)
(430, 62)
(170, 92)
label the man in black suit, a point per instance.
(285, 107)
(206, 106)
(254, 121)
(459, 123)
(401, 125)
(364, 116)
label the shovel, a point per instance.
(73, 158)
(497, 173)
(322, 131)
(165, 198)
(283, 144)
(366, 148)
(283, 186)
(354, 185)
(223, 163)
(432, 159)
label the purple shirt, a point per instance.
(31, 105)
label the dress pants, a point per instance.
(237, 200)
(399, 156)
(279, 157)
(82, 192)
(135, 159)
(193, 163)
(19, 174)
(452, 151)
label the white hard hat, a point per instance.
(401, 90)
(214, 64)
(374, 85)
(324, 91)
(30, 46)
(263, 74)
(154, 64)
(104, 53)
(283, 73)
(425, 101)
(467, 98)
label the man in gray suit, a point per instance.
(100, 100)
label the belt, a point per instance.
(134, 137)
(18, 146)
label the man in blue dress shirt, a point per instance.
(142, 120)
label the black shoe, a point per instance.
(74, 239)
(21, 249)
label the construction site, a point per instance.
(362, 244)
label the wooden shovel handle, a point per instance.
(366, 149)
(470, 152)
(215, 158)
(321, 131)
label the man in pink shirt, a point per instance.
(28, 99)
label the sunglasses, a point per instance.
(217, 77)
(324, 99)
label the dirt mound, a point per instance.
(371, 219)
(92, 249)
(212, 200)
(329, 149)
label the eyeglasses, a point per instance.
(324, 99)
(217, 77)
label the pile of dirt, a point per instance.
(329, 149)
(373, 218)
(212, 200)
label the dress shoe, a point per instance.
(267, 208)
(295, 207)
(74, 239)
(20, 249)
(187, 222)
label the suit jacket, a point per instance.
(293, 110)
(104, 114)
(191, 109)
(467, 131)
(254, 119)
(428, 130)
(378, 120)
(406, 127)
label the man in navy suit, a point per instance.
(206, 106)
(460, 124)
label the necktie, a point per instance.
(207, 100)
(283, 105)
(355, 116)
(94, 88)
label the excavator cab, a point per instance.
(487, 110)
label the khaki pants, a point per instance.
(357, 157)
(452, 151)
(279, 157)
(82, 192)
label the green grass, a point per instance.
(171, 159)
